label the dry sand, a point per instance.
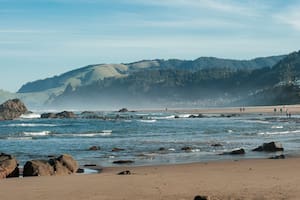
(246, 179)
(293, 109)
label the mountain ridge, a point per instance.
(80, 76)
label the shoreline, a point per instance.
(239, 179)
(294, 109)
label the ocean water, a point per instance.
(142, 134)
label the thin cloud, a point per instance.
(290, 17)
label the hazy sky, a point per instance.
(41, 38)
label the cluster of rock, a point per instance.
(8, 166)
(62, 165)
(12, 109)
(266, 147)
(60, 115)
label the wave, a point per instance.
(41, 133)
(256, 121)
(19, 138)
(30, 116)
(277, 127)
(88, 134)
(279, 132)
(165, 117)
(147, 120)
(29, 125)
(184, 115)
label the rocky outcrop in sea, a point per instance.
(12, 109)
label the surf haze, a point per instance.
(206, 81)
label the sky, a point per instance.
(42, 38)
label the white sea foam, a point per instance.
(41, 133)
(30, 116)
(106, 132)
(172, 149)
(256, 121)
(184, 115)
(229, 131)
(195, 150)
(277, 127)
(147, 120)
(29, 125)
(279, 132)
(165, 117)
(103, 133)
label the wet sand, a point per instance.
(256, 179)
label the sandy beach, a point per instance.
(293, 109)
(246, 179)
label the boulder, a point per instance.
(65, 114)
(12, 109)
(94, 148)
(80, 171)
(63, 165)
(48, 115)
(123, 162)
(270, 147)
(186, 149)
(127, 172)
(8, 166)
(196, 116)
(200, 197)
(162, 149)
(69, 162)
(61, 115)
(117, 149)
(59, 168)
(123, 110)
(216, 145)
(38, 168)
(240, 151)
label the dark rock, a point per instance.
(80, 171)
(235, 152)
(8, 166)
(87, 113)
(216, 145)
(278, 157)
(90, 165)
(186, 148)
(12, 109)
(123, 162)
(127, 172)
(198, 197)
(161, 149)
(94, 148)
(65, 114)
(270, 147)
(117, 149)
(123, 110)
(196, 116)
(61, 115)
(230, 115)
(176, 117)
(48, 115)
(38, 168)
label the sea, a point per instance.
(147, 138)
